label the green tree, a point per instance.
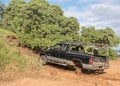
(104, 36)
(38, 23)
(107, 36)
(12, 13)
(88, 34)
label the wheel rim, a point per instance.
(43, 60)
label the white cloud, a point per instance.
(98, 13)
(101, 15)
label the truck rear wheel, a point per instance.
(86, 71)
(43, 60)
(98, 71)
(77, 70)
(78, 66)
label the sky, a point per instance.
(98, 13)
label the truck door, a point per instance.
(64, 55)
(55, 51)
(63, 51)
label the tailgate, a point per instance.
(100, 60)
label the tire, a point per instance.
(43, 60)
(86, 71)
(78, 66)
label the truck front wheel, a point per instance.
(43, 60)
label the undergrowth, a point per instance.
(12, 61)
(3, 31)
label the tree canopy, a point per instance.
(104, 36)
(38, 23)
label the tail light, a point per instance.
(90, 60)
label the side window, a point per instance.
(73, 48)
(78, 49)
(57, 47)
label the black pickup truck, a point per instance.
(73, 54)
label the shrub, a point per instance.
(3, 31)
(112, 53)
(11, 56)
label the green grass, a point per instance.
(10, 56)
(3, 31)
(12, 62)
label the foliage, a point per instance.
(103, 36)
(38, 23)
(107, 36)
(100, 50)
(11, 56)
(112, 53)
(1, 13)
(88, 34)
(1, 10)
(3, 31)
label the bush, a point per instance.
(112, 53)
(3, 31)
(10, 56)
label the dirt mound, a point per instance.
(11, 36)
(11, 39)
(56, 75)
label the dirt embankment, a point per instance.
(55, 75)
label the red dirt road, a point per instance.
(52, 75)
